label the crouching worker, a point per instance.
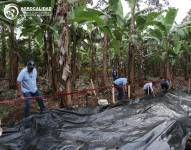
(119, 85)
(148, 88)
(27, 87)
(165, 84)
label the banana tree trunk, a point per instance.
(168, 71)
(3, 62)
(13, 59)
(30, 48)
(93, 62)
(131, 66)
(141, 61)
(50, 57)
(132, 51)
(186, 66)
(64, 59)
(104, 79)
(74, 64)
(45, 55)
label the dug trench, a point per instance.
(162, 122)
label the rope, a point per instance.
(56, 95)
(14, 101)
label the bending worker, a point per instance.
(165, 84)
(148, 88)
(27, 88)
(119, 85)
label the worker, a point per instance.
(148, 88)
(165, 84)
(119, 85)
(27, 87)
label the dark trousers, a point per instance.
(148, 91)
(120, 93)
(164, 86)
(28, 101)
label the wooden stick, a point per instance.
(129, 91)
(113, 95)
(170, 84)
(1, 130)
(125, 89)
(189, 86)
(92, 84)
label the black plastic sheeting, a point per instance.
(159, 123)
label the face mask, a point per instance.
(30, 69)
(30, 66)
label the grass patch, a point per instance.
(4, 110)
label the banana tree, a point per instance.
(112, 28)
(162, 31)
(13, 43)
(183, 47)
(144, 20)
(13, 49)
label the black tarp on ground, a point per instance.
(161, 123)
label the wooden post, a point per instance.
(189, 86)
(170, 84)
(129, 92)
(92, 84)
(1, 130)
(113, 94)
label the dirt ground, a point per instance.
(12, 114)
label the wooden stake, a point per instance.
(189, 86)
(129, 92)
(69, 90)
(1, 130)
(113, 95)
(92, 84)
(170, 84)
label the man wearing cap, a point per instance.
(27, 87)
(119, 85)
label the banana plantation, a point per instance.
(73, 53)
(77, 39)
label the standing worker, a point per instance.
(119, 85)
(27, 88)
(148, 88)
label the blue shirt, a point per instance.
(120, 81)
(27, 80)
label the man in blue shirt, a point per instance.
(119, 84)
(27, 87)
